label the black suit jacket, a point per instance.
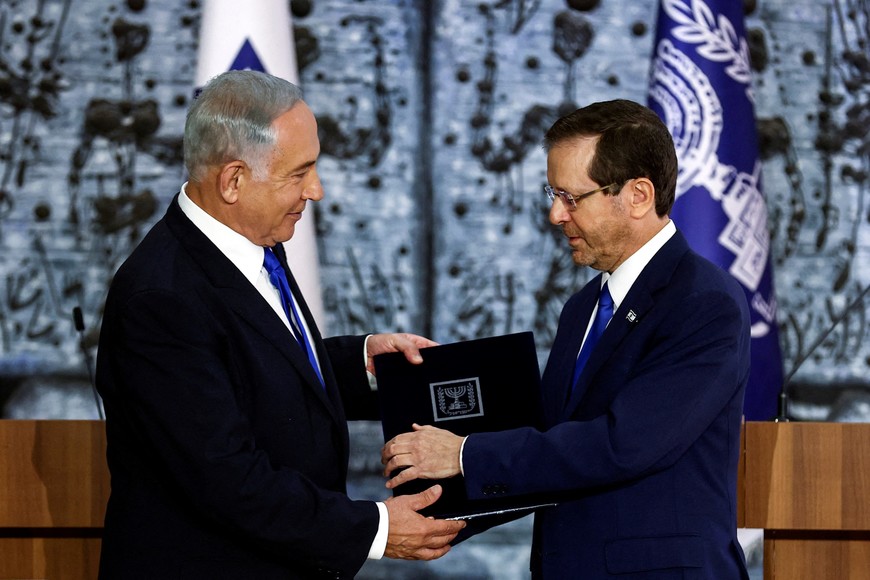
(228, 458)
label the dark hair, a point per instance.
(633, 142)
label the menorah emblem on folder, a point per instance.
(457, 399)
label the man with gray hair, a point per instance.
(226, 410)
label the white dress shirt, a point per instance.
(623, 278)
(248, 258)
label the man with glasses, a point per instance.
(643, 390)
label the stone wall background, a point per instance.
(434, 221)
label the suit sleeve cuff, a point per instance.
(379, 545)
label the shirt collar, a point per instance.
(622, 279)
(246, 255)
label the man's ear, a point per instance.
(642, 197)
(231, 177)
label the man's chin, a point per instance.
(286, 233)
(281, 239)
(581, 259)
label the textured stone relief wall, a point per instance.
(431, 116)
(92, 96)
(361, 72)
(813, 94)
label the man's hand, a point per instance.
(426, 453)
(410, 344)
(415, 537)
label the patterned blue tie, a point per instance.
(279, 280)
(602, 317)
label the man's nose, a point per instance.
(313, 189)
(558, 212)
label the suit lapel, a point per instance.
(564, 354)
(247, 302)
(608, 346)
(637, 303)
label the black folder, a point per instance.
(487, 384)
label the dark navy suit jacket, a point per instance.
(643, 455)
(228, 458)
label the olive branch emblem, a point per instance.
(715, 36)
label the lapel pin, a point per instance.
(631, 316)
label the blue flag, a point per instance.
(700, 87)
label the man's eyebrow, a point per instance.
(302, 166)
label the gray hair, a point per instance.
(232, 119)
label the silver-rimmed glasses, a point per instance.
(568, 199)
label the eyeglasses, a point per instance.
(569, 200)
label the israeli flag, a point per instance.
(700, 87)
(259, 36)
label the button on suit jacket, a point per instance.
(644, 454)
(228, 458)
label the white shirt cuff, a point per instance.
(373, 382)
(379, 545)
(461, 449)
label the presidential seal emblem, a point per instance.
(457, 399)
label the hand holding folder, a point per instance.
(427, 453)
(487, 384)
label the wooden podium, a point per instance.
(54, 485)
(808, 486)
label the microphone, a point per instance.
(79, 321)
(782, 415)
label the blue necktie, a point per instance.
(279, 280)
(602, 317)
